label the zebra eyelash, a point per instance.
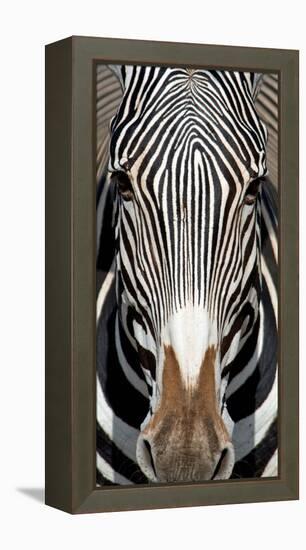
(252, 191)
(124, 185)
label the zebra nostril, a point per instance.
(144, 455)
(149, 451)
(225, 464)
(217, 468)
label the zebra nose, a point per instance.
(201, 468)
(145, 457)
(224, 463)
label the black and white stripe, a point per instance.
(194, 147)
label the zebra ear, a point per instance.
(119, 72)
(256, 83)
(123, 73)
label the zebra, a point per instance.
(187, 282)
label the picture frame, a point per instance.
(70, 275)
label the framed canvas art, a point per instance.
(171, 274)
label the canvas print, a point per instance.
(187, 275)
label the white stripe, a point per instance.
(110, 474)
(104, 290)
(130, 374)
(249, 368)
(271, 288)
(271, 470)
(122, 434)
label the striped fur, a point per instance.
(197, 242)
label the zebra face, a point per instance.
(187, 158)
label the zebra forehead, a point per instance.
(177, 110)
(185, 75)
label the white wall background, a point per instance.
(25, 28)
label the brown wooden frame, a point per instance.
(70, 275)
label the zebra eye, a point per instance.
(252, 191)
(124, 184)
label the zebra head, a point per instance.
(187, 154)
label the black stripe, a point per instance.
(253, 465)
(116, 459)
(257, 387)
(101, 480)
(115, 386)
